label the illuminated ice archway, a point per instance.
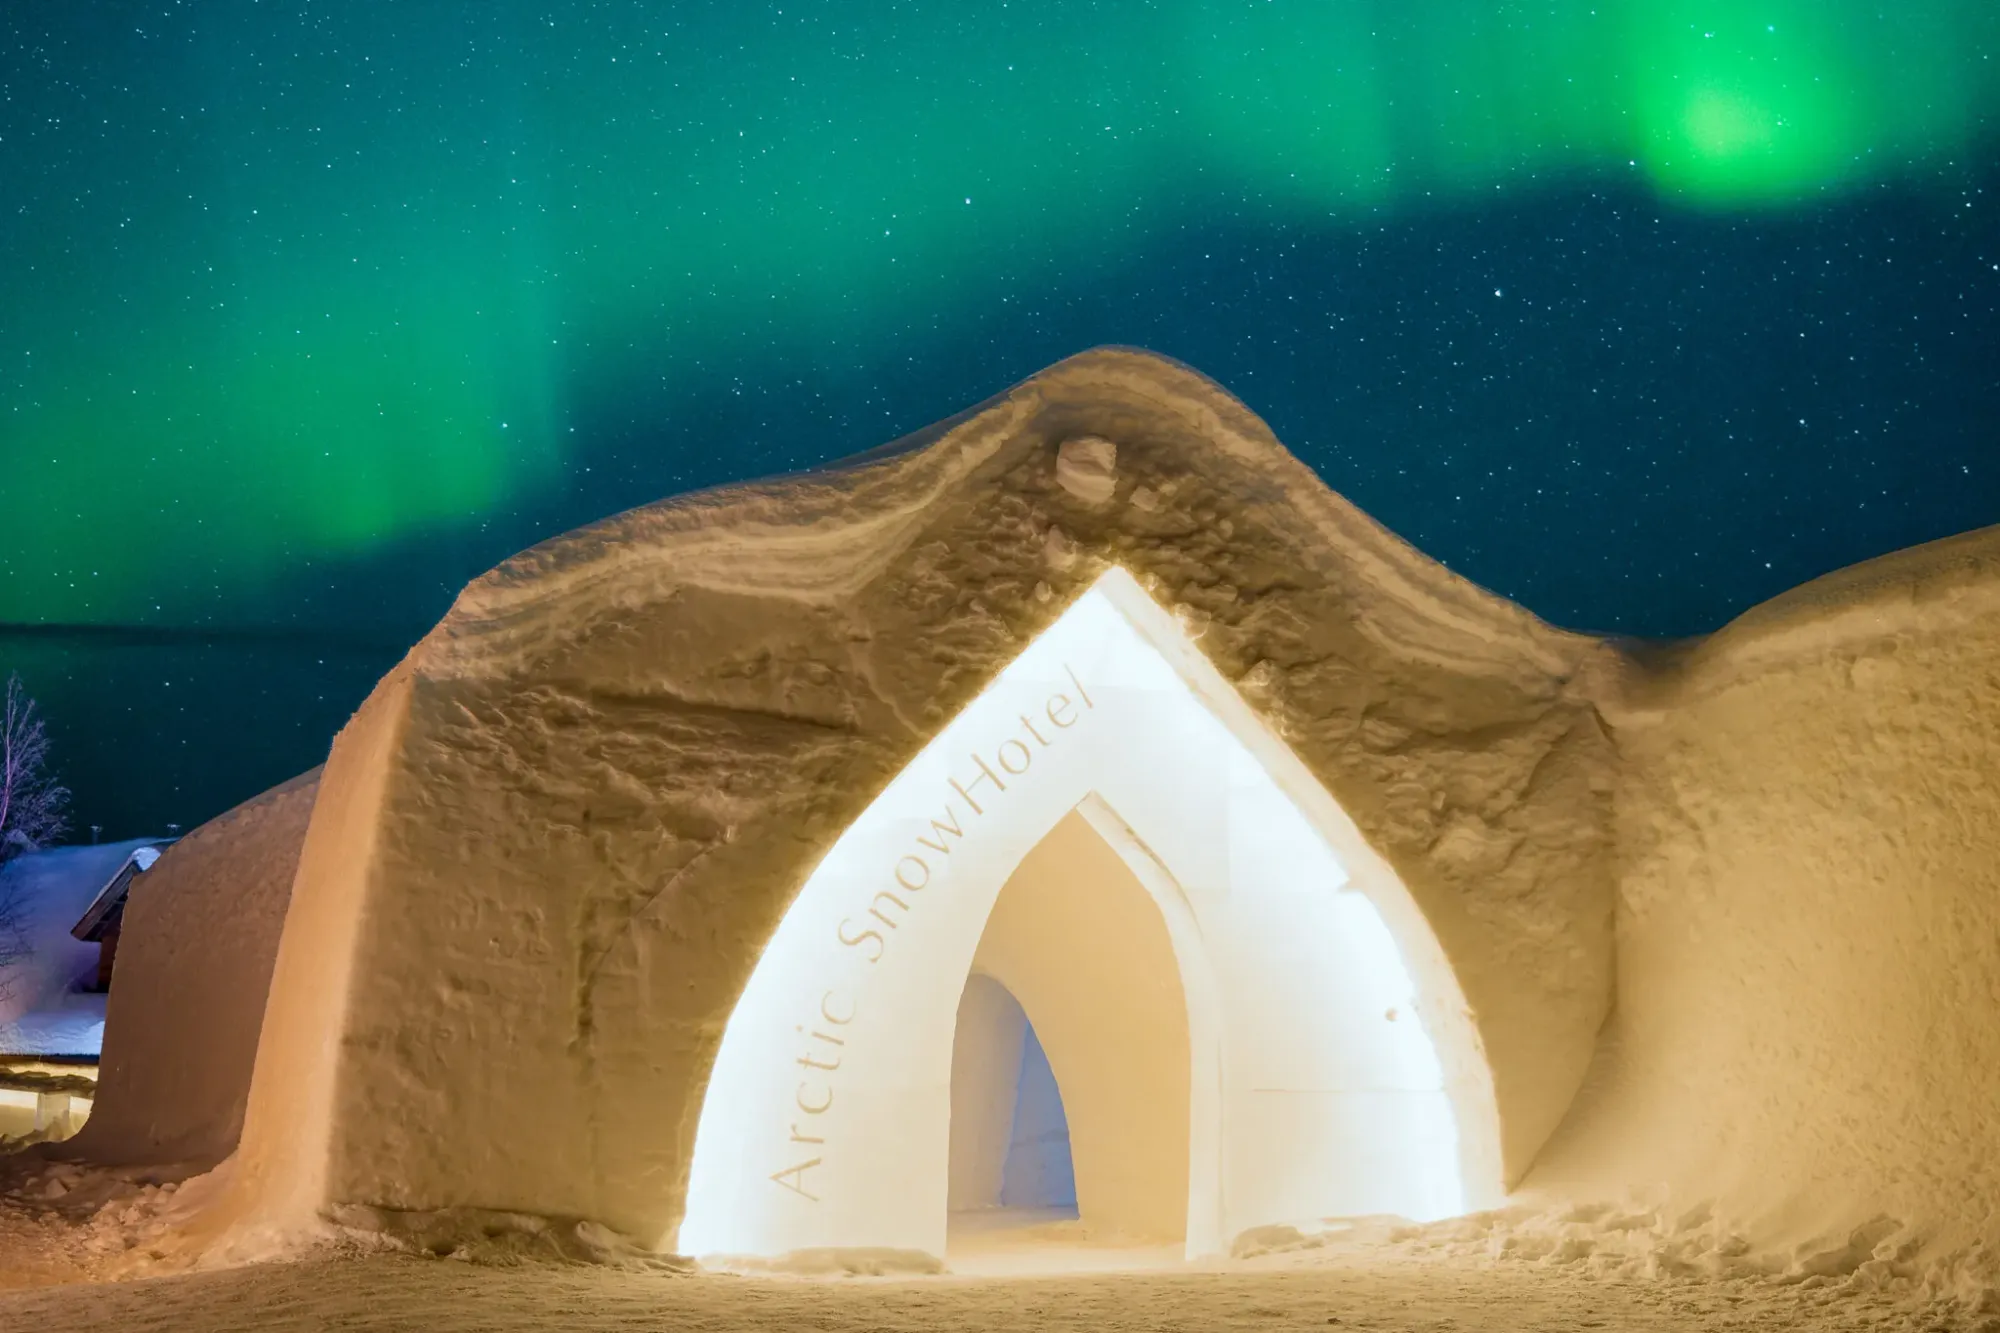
(1332, 1069)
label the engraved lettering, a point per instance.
(942, 829)
(793, 1178)
(912, 873)
(855, 941)
(1027, 757)
(986, 775)
(1087, 701)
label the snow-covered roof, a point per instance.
(109, 905)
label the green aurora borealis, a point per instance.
(281, 282)
(309, 312)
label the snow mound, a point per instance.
(1807, 1029)
(115, 1221)
(491, 1236)
(1884, 1261)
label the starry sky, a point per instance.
(1638, 313)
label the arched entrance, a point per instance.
(1076, 942)
(1203, 884)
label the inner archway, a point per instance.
(1010, 1152)
(1330, 1065)
(1077, 943)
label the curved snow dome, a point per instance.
(1246, 1016)
(641, 891)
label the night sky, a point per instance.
(1636, 313)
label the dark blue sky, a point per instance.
(305, 321)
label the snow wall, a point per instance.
(196, 947)
(1807, 1032)
(548, 850)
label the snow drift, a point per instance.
(1808, 1018)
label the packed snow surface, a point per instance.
(68, 1244)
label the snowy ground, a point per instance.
(64, 1232)
(1384, 1294)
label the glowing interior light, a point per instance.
(1331, 1069)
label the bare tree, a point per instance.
(14, 947)
(32, 802)
(31, 812)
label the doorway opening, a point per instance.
(1245, 1017)
(1076, 971)
(1011, 1167)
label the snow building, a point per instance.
(1079, 805)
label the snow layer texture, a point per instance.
(548, 849)
(1808, 1024)
(196, 947)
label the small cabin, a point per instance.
(102, 920)
(61, 909)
